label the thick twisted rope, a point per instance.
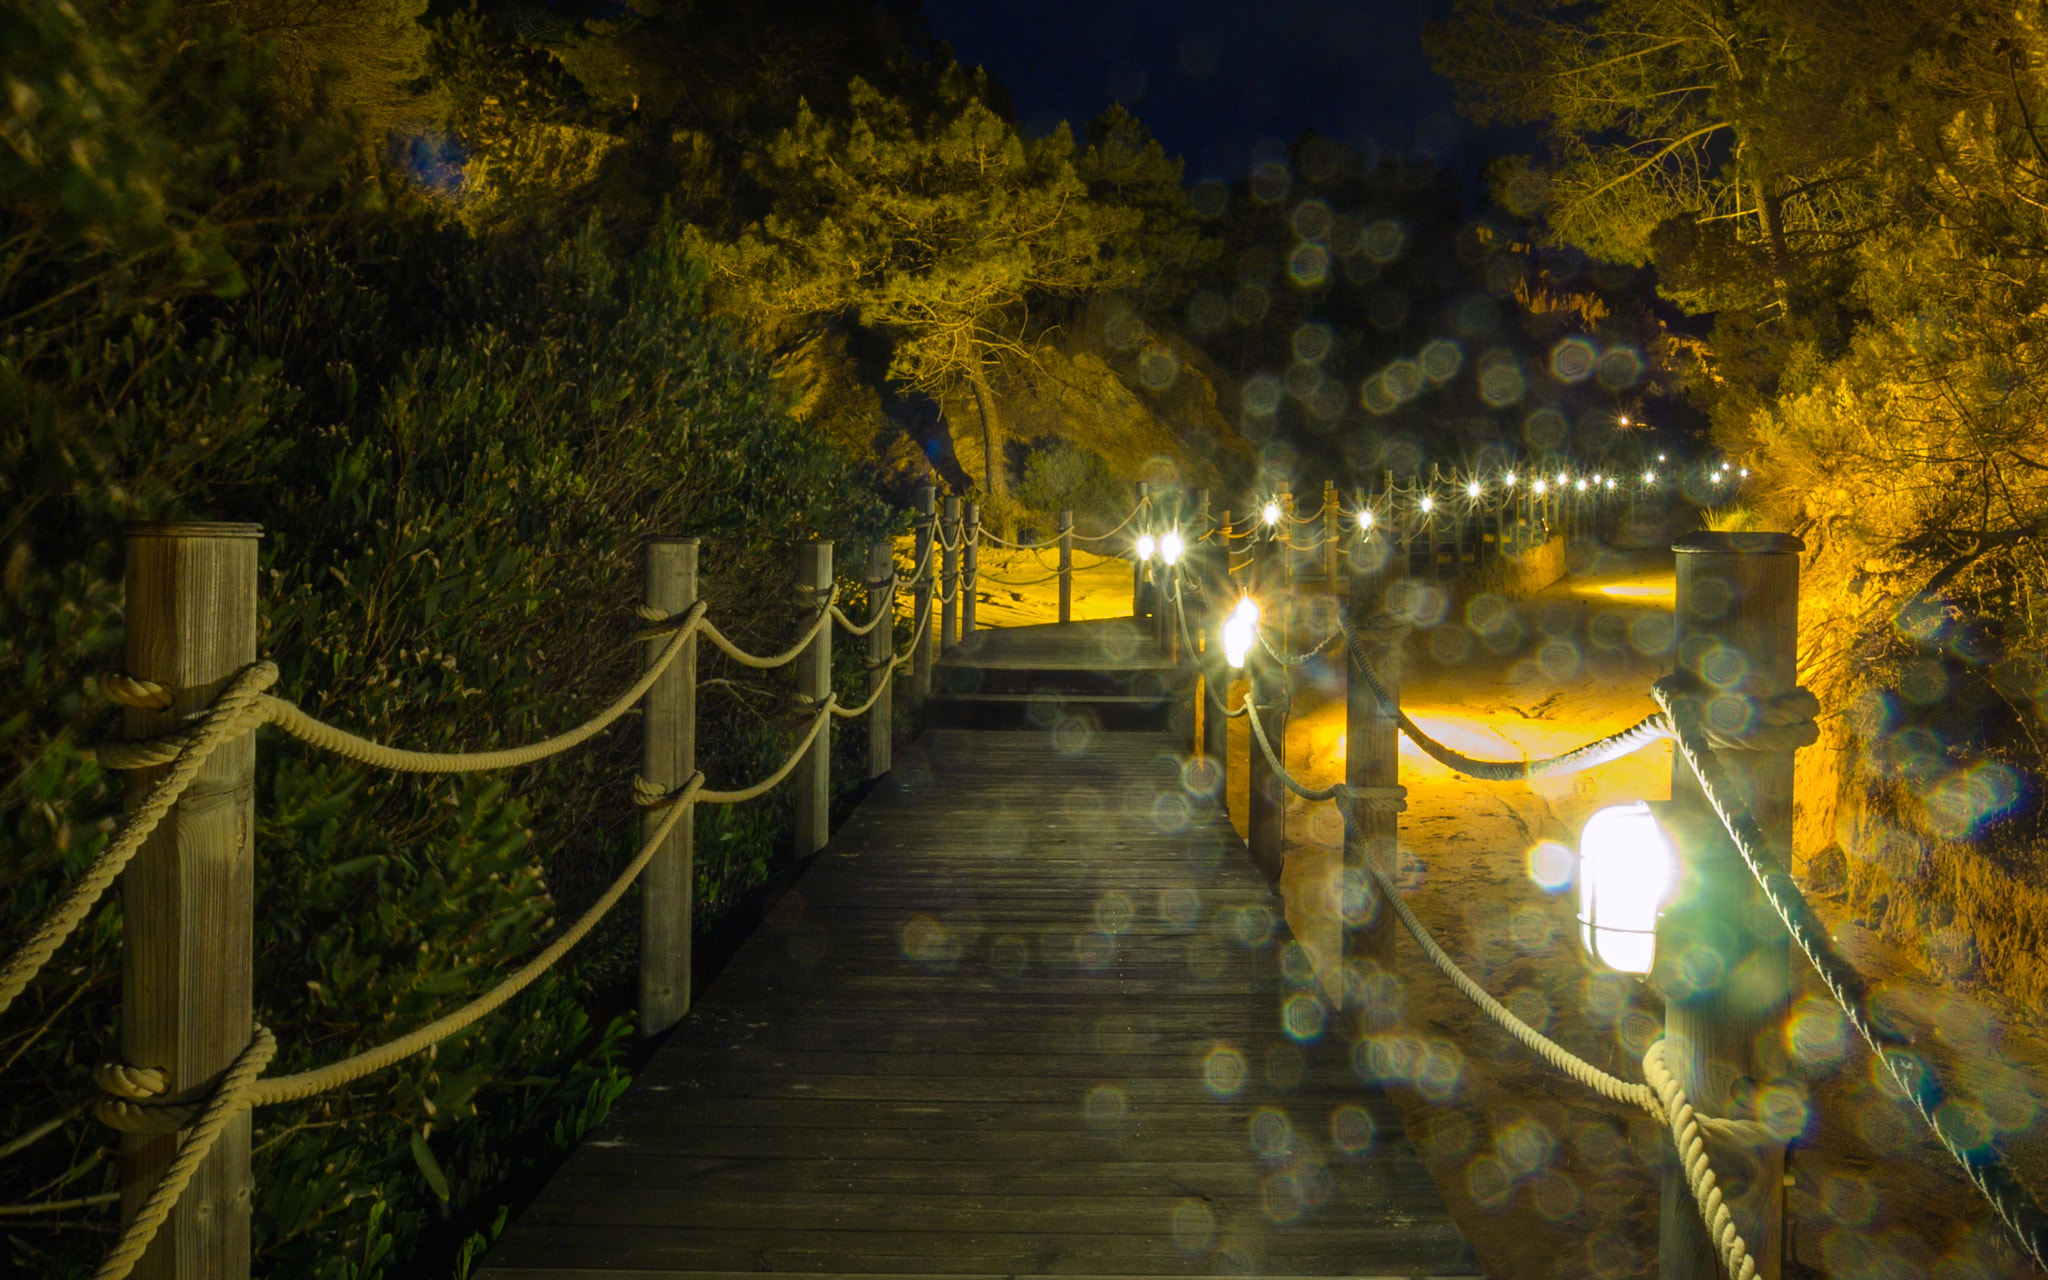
(1019, 546)
(230, 1099)
(1687, 1136)
(769, 783)
(1322, 646)
(1613, 747)
(317, 733)
(883, 608)
(874, 696)
(1027, 582)
(128, 1106)
(1098, 537)
(1661, 1098)
(787, 656)
(1981, 1162)
(235, 712)
(1384, 799)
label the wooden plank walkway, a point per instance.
(1023, 1016)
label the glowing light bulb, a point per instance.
(1541, 486)
(1509, 479)
(1270, 513)
(1582, 484)
(1239, 630)
(1428, 505)
(1623, 420)
(1649, 477)
(1743, 473)
(1608, 483)
(1365, 519)
(1627, 869)
(1171, 546)
(1660, 457)
(1562, 478)
(1145, 546)
(1472, 490)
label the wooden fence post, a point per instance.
(1215, 667)
(668, 756)
(188, 898)
(1266, 798)
(882, 653)
(949, 577)
(1738, 620)
(1066, 566)
(1332, 521)
(1197, 607)
(1137, 562)
(1372, 750)
(921, 606)
(970, 562)
(1280, 576)
(814, 681)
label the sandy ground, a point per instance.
(1547, 1179)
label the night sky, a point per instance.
(1224, 83)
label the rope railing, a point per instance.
(1784, 722)
(1981, 1161)
(1136, 511)
(1662, 1097)
(138, 1099)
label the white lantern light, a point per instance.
(1660, 457)
(1627, 871)
(1744, 473)
(1509, 479)
(1541, 486)
(1562, 478)
(1472, 490)
(1597, 477)
(1171, 546)
(1239, 630)
(1610, 482)
(1649, 477)
(1145, 546)
(1582, 484)
(1365, 519)
(1270, 513)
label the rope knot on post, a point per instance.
(134, 1100)
(1732, 722)
(652, 795)
(1378, 799)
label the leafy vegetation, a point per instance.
(1855, 195)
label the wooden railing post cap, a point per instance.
(1747, 544)
(191, 529)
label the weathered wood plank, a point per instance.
(1006, 1025)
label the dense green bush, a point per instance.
(456, 447)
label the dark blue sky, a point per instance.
(1222, 81)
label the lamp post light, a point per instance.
(1146, 546)
(1627, 872)
(1171, 547)
(1239, 630)
(1428, 504)
(1270, 514)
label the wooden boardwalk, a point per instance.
(1027, 1014)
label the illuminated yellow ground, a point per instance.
(1017, 589)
